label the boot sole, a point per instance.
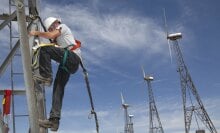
(45, 124)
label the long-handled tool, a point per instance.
(90, 96)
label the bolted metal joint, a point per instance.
(19, 4)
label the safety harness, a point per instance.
(71, 47)
(36, 50)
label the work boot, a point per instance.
(52, 123)
(47, 81)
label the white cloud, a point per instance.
(67, 113)
(103, 35)
(108, 36)
(170, 112)
(99, 33)
(4, 7)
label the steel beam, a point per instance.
(39, 88)
(9, 58)
(6, 17)
(14, 92)
(26, 61)
(41, 104)
(32, 7)
(10, 55)
(8, 20)
(32, 3)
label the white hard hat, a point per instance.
(49, 21)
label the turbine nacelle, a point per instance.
(125, 105)
(174, 36)
(146, 77)
(130, 116)
(149, 78)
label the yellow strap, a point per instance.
(46, 44)
(36, 47)
(3, 101)
(36, 51)
(36, 59)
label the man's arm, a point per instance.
(49, 35)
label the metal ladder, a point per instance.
(38, 89)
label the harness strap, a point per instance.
(36, 50)
(63, 65)
(71, 47)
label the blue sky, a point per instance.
(118, 37)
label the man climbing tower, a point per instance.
(67, 53)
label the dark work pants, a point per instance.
(72, 63)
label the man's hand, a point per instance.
(33, 33)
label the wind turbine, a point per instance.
(131, 129)
(190, 107)
(155, 125)
(125, 107)
(128, 128)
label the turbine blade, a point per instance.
(143, 71)
(122, 99)
(170, 51)
(165, 22)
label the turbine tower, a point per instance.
(155, 123)
(189, 91)
(128, 128)
(131, 128)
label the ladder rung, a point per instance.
(17, 54)
(21, 115)
(14, 37)
(18, 73)
(15, 92)
(15, 5)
